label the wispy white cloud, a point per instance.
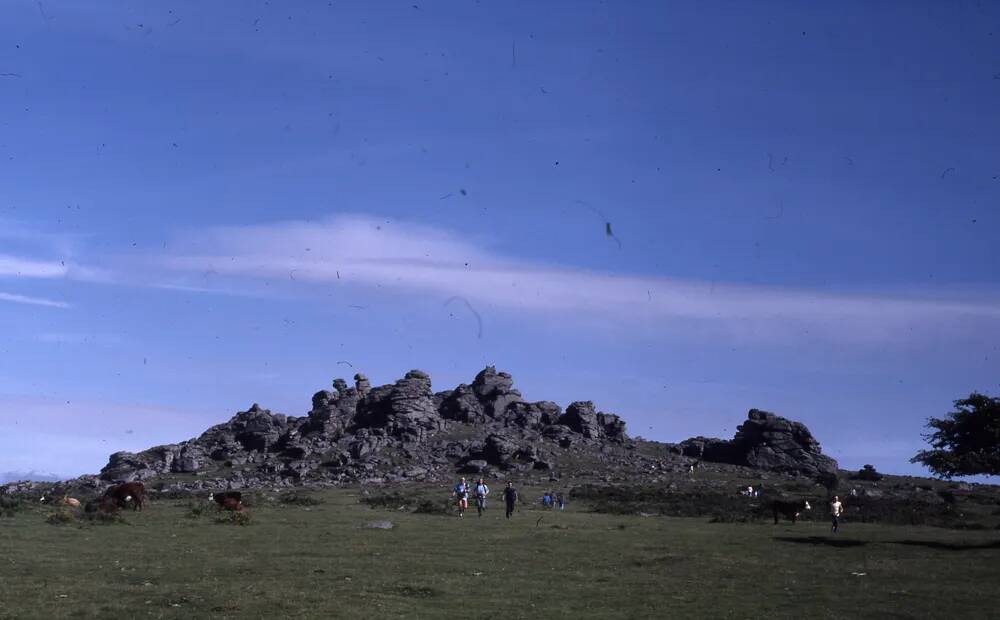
(352, 250)
(74, 338)
(36, 301)
(62, 243)
(27, 268)
(19, 267)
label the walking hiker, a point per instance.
(510, 498)
(561, 501)
(481, 492)
(462, 493)
(836, 509)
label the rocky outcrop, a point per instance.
(581, 417)
(405, 431)
(765, 441)
(398, 431)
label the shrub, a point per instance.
(295, 498)
(947, 495)
(10, 505)
(391, 500)
(60, 517)
(428, 507)
(196, 510)
(828, 481)
(105, 518)
(233, 518)
(868, 473)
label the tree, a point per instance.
(967, 441)
(868, 473)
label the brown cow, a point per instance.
(72, 502)
(790, 510)
(133, 493)
(220, 497)
(106, 505)
(232, 504)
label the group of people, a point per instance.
(480, 491)
(551, 500)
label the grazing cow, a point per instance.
(221, 497)
(231, 504)
(72, 502)
(106, 505)
(790, 510)
(133, 493)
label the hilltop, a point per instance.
(405, 431)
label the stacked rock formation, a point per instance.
(765, 441)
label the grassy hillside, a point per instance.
(301, 559)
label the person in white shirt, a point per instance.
(836, 509)
(481, 492)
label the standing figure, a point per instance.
(510, 498)
(461, 492)
(481, 492)
(561, 501)
(836, 509)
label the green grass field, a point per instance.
(296, 561)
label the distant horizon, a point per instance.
(916, 470)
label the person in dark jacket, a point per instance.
(510, 498)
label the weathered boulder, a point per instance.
(474, 466)
(534, 416)
(257, 428)
(404, 409)
(462, 405)
(495, 390)
(765, 441)
(581, 417)
(499, 450)
(362, 385)
(188, 460)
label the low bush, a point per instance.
(297, 498)
(392, 500)
(60, 517)
(428, 507)
(105, 518)
(196, 510)
(233, 518)
(9, 506)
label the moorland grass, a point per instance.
(315, 560)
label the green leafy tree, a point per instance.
(967, 441)
(868, 473)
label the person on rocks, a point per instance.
(461, 492)
(836, 510)
(510, 498)
(481, 492)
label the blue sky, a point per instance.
(206, 207)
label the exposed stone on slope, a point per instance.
(403, 431)
(581, 417)
(765, 441)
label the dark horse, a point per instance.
(790, 510)
(133, 493)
